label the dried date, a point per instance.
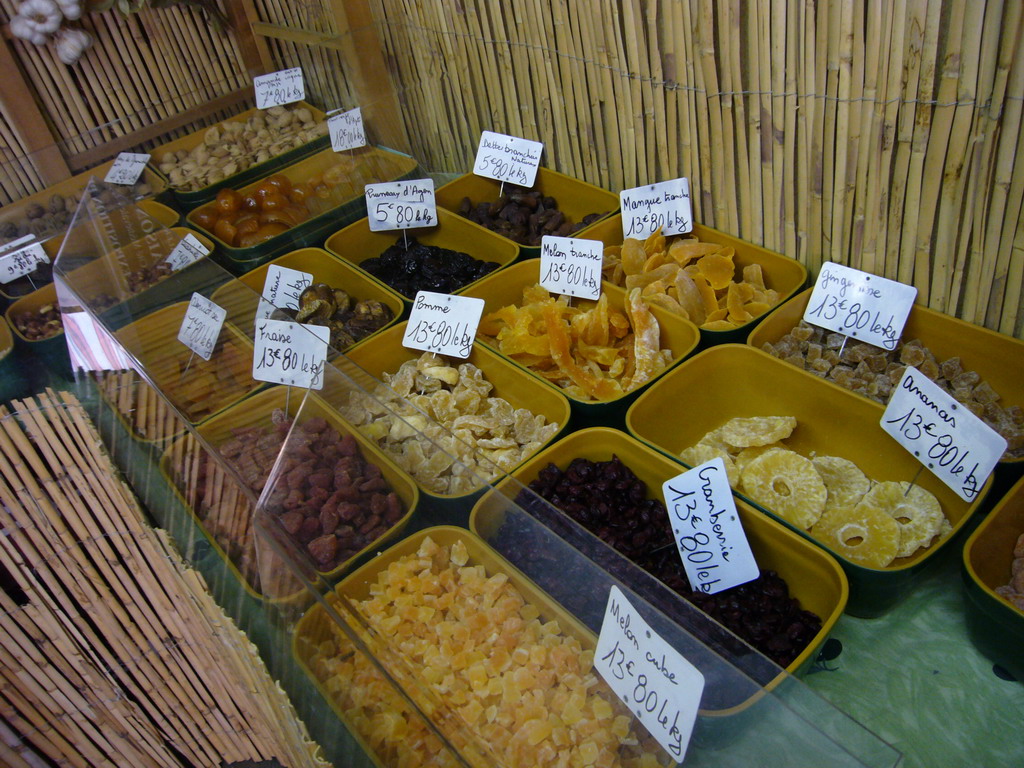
(524, 216)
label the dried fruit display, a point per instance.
(439, 424)
(1014, 590)
(690, 278)
(873, 372)
(591, 350)
(235, 145)
(410, 266)
(350, 320)
(868, 522)
(527, 691)
(200, 388)
(524, 216)
(609, 500)
(328, 496)
(39, 324)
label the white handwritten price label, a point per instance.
(442, 323)
(665, 206)
(401, 205)
(572, 266)
(869, 308)
(200, 328)
(507, 158)
(127, 168)
(709, 535)
(661, 687)
(290, 353)
(282, 87)
(188, 251)
(22, 262)
(958, 447)
(281, 290)
(346, 130)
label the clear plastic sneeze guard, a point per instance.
(409, 584)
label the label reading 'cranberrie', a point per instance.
(658, 685)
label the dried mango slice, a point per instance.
(707, 293)
(633, 257)
(845, 482)
(718, 269)
(719, 325)
(866, 537)
(917, 513)
(787, 484)
(646, 340)
(689, 297)
(753, 275)
(757, 430)
(655, 243)
(717, 317)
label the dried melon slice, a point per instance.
(864, 536)
(788, 484)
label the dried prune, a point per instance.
(410, 266)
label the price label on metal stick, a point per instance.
(572, 266)
(958, 447)
(290, 353)
(657, 683)
(346, 130)
(127, 168)
(709, 535)
(507, 158)
(282, 87)
(869, 308)
(22, 262)
(200, 328)
(442, 323)
(188, 251)
(665, 206)
(401, 205)
(281, 290)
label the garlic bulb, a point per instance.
(24, 29)
(44, 16)
(71, 44)
(72, 9)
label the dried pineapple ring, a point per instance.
(787, 484)
(918, 513)
(701, 452)
(757, 430)
(865, 536)
(845, 482)
(747, 455)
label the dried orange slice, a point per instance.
(787, 484)
(757, 430)
(917, 512)
(845, 482)
(865, 536)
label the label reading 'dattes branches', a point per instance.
(346, 130)
(401, 205)
(665, 206)
(126, 169)
(188, 251)
(290, 353)
(282, 87)
(507, 158)
(282, 288)
(201, 325)
(958, 447)
(22, 262)
(869, 308)
(572, 266)
(658, 685)
(708, 532)
(442, 323)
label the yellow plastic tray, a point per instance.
(781, 273)
(240, 298)
(368, 363)
(506, 287)
(356, 243)
(998, 358)
(995, 626)
(153, 342)
(814, 578)
(576, 198)
(737, 380)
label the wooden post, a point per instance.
(254, 49)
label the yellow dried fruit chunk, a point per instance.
(866, 536)
(717, 268)
(845, 482)
(701, 452)
(747, 455)
(917, 513)
(757, 430)
(787, 484)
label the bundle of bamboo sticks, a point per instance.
(111, 650)
(145, 412)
